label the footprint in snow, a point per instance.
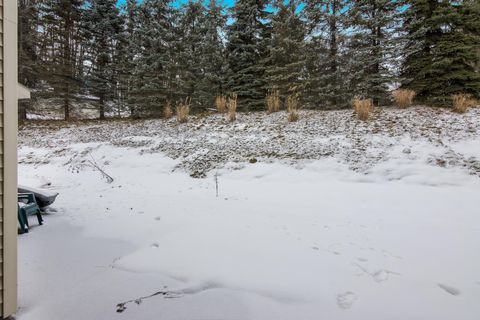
(381, 275)
(451, 290)
(346, 300)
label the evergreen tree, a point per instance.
(247, 37)
(27, 42)
(440, 52)
(152, 83)
(213, 60)
(189, 62)
(286, 59)
(327, 57)
(61, 22)
(28, 71)
(471, 19)
(373, 24)
(127, 49)
(104, 26)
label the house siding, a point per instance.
(8, 157)
(1, 160)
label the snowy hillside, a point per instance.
(326, 218)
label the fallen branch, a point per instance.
(167, 294)
(170, 294)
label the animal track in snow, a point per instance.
(332, 248)
(451, 290)
(379, 275)
(346, 299)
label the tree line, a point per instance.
(139, 56)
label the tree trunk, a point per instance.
(102, 107)
(66, 108)
(68, 72)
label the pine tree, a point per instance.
(104, 26)
(127, 49)
(27, 42)
(154, 75)
(373, 24)
(246, 50)
(286, 58)
(213, 60)
(471, 19)
(440, 53)
(28, 68)
(326, 52)
(60, 44)
(191, 32)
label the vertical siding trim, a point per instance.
(10, 128)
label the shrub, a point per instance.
(292, 107)
(221, 104)
(363, 108)
(462, 101)
(167, 110)
(403, 97)
(232, 107)
(183, 109)
(273, 101)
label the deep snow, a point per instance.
(383, 226)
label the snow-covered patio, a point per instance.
(308, 239)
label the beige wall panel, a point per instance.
(9, 158)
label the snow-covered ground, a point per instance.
(327, 218)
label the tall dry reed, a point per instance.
(273, 100)
(363, 108)
(462, 101)
(167, 110)
(231, 106)
(183, 110)
(403, 97)
(221, 103)
(292, 107)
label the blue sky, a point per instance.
(178, 2)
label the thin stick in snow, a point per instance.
(167, 294)
(94, 164)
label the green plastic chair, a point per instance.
(27, 205)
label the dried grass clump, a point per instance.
(462, 101)
(232, 107)
(221, 104)
(183, 109)
(273, 101)
(167, 110)
(363, 108)
(292, 107)
(403, 97)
